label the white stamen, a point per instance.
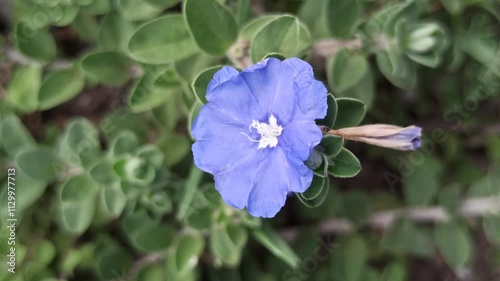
(268, 132)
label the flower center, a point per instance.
(268, 132)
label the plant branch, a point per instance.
(329, 47)
(470, 208)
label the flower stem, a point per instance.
(192, 183)
(329, 47)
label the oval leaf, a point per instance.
(285, 35)
(35, 43)
(344, 165)
(151, 44)
(23, 89)
(109, 68)
(201, 82)
(345, 70)
(350, 113)
(342, 16)
(212, 25)
(40, 163)
(454, 243)
(60, 87)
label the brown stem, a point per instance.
(329, 47)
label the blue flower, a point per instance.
(256, 131)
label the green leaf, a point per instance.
(227, 242)
(108, 67)
(146, 95)
(190, 67)
(158, 202)
(421, 186)
(135, 170)
(331, 114)
(125, 142)
(344, 165)
(145, 233)
(285, 35)
(193, 113)
(151, 44)
(398, 70)
(69, 14)
(404, 236)
(491, 225)
(370, 274)
(192, 183)
(346, 70)
(114, 199)
(175, 146)
(115, 32)
(28, 191)
(387, 19)
(454, 7)
(350, 112)
(151, 154)
(35, 43)
(213, 27)
(200, 219)
(200, 83)
(96, 7)
(342, 16)
(394, 272)
(80, 143)
(249, 31)
(152, 272)
(493, 179)
(332, 145)
(86, 27)
(454, 243)
(314, 15)
(316, 194)
(317, 185)
(350, 258)
(113, 260)
(364, 90)
(355, 206)
(137, 10)
(169, 113)
(44, 252)
(60, 87)
(15, 137)
(275, 244)
(163, 4)
(173, 273)
(24, 86)
(189, 249)
(450, 198)
(154, 239)
(78, 203)
(40, 163)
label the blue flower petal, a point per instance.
(220, 146)
(271, 186)
(299, 175)
(235, 100)
(311, 94)
(269, 82)
(300, 138)
(235, 186)
(221, 76)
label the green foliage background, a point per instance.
(97, 99)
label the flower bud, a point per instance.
(425, 43)
(390, 136)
